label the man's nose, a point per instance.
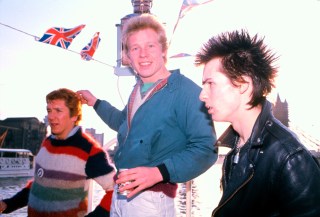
(203, 96)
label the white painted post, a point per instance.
(188, 199)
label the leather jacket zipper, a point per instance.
(220, 206)
(128, 118)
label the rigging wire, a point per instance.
(119, 91)
(37, 39)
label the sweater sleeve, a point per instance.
(103, 209)
(19, 200)
(99, 168)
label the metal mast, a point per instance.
(139, 7)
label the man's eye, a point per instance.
(211, 83)
(207, 83)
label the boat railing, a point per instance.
(16, 162)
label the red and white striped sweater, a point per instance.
(63, 168)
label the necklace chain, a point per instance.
(237, 151)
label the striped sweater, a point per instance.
(63, 167)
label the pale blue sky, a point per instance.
(290, 27)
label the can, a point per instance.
(126, 192)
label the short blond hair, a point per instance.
(144, 21)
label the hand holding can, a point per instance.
(120, 185)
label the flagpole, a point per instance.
(139, 7)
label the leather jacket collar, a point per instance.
(228, 138)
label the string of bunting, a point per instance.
(62, 37)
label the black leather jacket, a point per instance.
(275, 175)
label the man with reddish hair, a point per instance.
(67, 160)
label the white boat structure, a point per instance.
(16, 163)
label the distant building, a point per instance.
(281, 111)
(111, 147)
(99, 139)
(96, 136)
(27, 133)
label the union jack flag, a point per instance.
(61, 37)
(88, 51)
(186, 6)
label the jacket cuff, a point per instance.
(164, 172)
(95, 106)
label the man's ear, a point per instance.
(164, 53)
(125, 60)
(74, 118)
(244, 86)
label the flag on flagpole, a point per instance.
(186, 6)
(181, 55)
(88, 51)
(61, 37)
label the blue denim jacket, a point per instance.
(171, 128)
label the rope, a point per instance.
(37, 39)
